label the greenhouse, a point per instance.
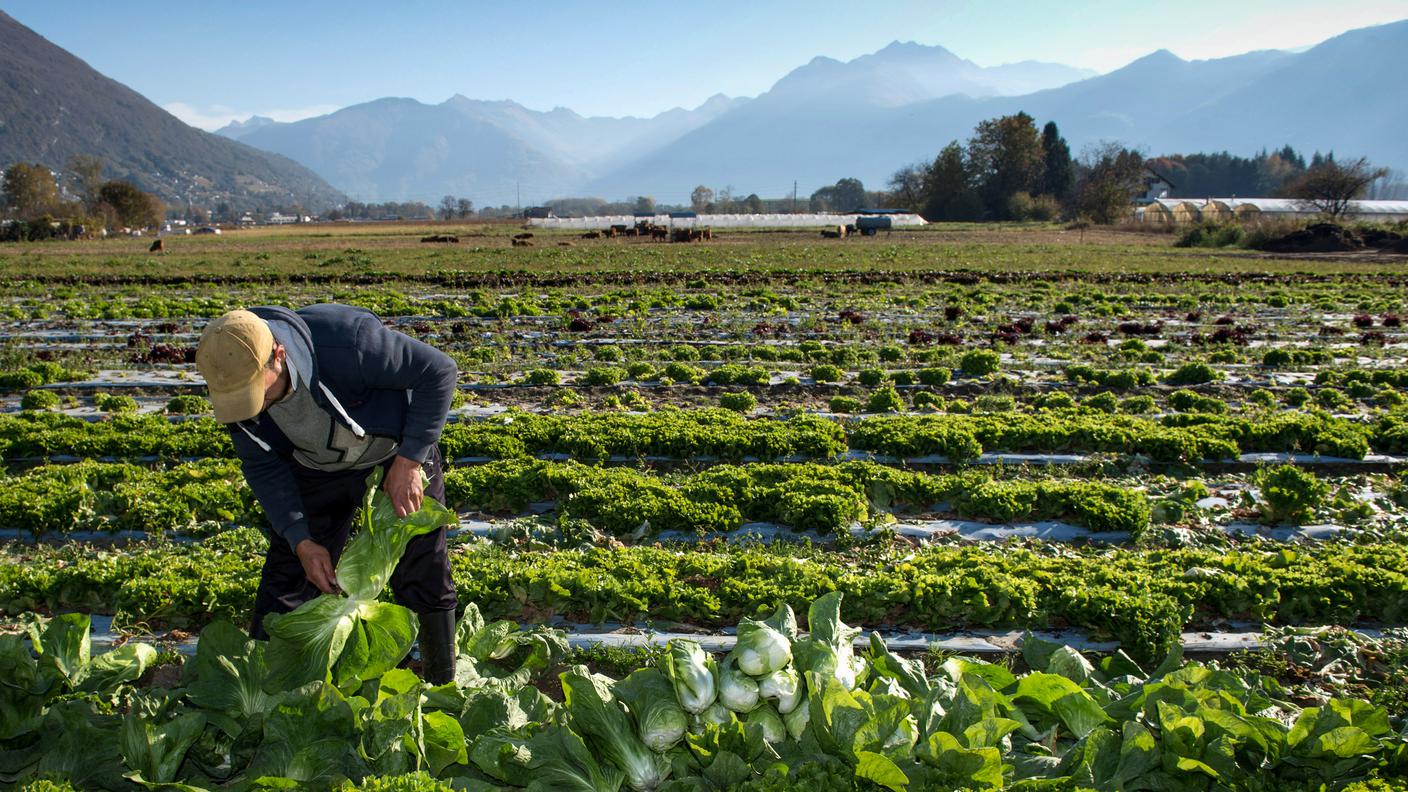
(791, 220)
(1176, 210)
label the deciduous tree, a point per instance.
(129, 205)
(701, 197)
(1111, 177)
(1005, 156)
(30, 191)
(1330, 187)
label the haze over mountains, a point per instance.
(495, 152)
(825, 120)
(54, 106)
(863, 118)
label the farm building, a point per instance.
(799, 220)
(1180, 211)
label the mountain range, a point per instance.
(497, 152)
(54, 106)
(823, 121)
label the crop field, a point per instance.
(962, 507)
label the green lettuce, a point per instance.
(596, 715)
(691, 670)
(765, 646)
(648, 695)
(351, 638)
(736, 690)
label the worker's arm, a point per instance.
(274, 486)
(395, 361)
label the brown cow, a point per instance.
(592, 235)
(521, 242)
(659, 232)
(434, 238)
(831, 233)
(524, 235)
(157, 247)
(708, 232)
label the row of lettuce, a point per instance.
(207, 496)
(725, 435)
(783, 711)
(518, 296)
(1142, 598)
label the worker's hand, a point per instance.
(403, 486)
(317, 565)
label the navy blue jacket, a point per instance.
(370, 378)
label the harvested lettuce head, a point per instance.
(767, 719)
(736, 690)
(648, 694)
(762, 647)
(691, 670)
(784, 687)
(597, 716)
(356, 637)
(829, 649)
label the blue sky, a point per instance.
(209, 62)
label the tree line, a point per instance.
(44, 204)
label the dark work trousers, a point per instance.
(421, 580)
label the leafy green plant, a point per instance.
(114, 403)
(542, 376)
(351, 638)
(1291, 494)
(844, 404)
(741, 401)
(1192, 373)
(979, 362)
(187, 404)
(886, 399)
(39, 400)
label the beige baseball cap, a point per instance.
(231, 356)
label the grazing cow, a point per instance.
(522, 242)
(435, 238)
(659, 232)
(619, 230)
(680, 235)
(524, 235)
(831, 233)
(592, 235)
(850, 229)
(157, 247)
(708, 232)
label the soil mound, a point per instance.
(1317, 238)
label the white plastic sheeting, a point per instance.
(801, 220)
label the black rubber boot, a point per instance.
(437, 647)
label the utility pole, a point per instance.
(794, 196)
(518, 191)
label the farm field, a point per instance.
(1103, 513)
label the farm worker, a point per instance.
(315, 399)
